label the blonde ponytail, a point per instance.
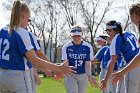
(16, 12)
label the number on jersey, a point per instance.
(133, 47)
(78, 63)
(3, 51)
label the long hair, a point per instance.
(135, 9)
(17, 9)
(117, 29)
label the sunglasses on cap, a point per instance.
(75, 30)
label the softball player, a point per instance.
(126, 45)
(34, 75)
(33, 72)
(16, 51)
(101, 41)
(78, 53)
(119, 88)
(135, 18)
(103, 56)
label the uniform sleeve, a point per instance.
(35, 42)
(64, 54)
(99, 55)
(23, 40)
(116, 45)
(89, 55)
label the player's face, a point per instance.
(101, 43)
(77, 39)
(24, 19)
(111, 33)
(109, 40)
(134, 18)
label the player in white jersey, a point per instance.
(126, 45)
(17, 53)
(135, 18)
(79, 54)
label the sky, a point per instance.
(3, 15)
(118, 14)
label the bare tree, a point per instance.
(92, 19)
(70, 10)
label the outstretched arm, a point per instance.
(93, 81)
(120, 74)
(109, 71)
(36, 61)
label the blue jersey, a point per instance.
(34, 44)
(128, 49)
(13, 47)
(77, 55)
(119, 62)
(103, 55)
(100, 56)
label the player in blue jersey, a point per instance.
(99, 57)
(118, 65)
(16, 51)
(135, 18)
(79, 54)
(124, 44)
(34, 75)
(103, 56)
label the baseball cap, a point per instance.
(76, 31)
(112, 26)
(100, 38)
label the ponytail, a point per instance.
(119, 29)
(16, 12)
(15, 15)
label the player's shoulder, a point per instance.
(126, 34)
(21, 31)
(68, 44)
(117, 37)
(33, 35)
(105, 47)
(86, 44)
(5, 28)
(102, 49)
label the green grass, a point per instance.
(49, 85)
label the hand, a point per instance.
(48, 73)
(58, 75)
(103, 84)
(67, 70)
(118, 76)
(37, 79)
(93, 81)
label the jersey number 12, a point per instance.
(3, 51)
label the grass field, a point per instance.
(48, 85)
